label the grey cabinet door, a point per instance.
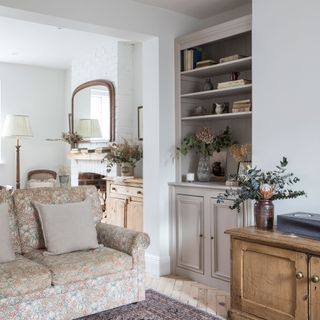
(190, 235)
(222, 218)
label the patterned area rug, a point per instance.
(156, 307)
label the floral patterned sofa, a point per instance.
(67, 286)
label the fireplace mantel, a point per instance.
(87, 156)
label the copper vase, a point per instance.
(264, 214)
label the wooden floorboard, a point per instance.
(212, 300)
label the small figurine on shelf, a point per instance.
(234, 76)
(208, 85)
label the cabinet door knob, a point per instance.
(212, 238)
(299, 275)
(201, 235)
(139, 192)
(113, 189)
(315, 279)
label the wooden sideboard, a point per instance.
(124, 203)
(274, 276)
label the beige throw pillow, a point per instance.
(67, 227)
(6, 249)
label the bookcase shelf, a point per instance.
(234, 91)
(220, 68)
(236, 115)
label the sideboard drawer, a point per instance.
(126, 190)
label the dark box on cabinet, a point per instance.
(300, 223)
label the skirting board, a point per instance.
(158, 266)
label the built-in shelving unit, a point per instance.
(199, 247)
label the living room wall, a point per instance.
(40, 93)
(286, 109)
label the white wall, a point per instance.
(286, 109)
(40, 93)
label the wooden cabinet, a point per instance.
(199, 247)
(274, 276)
(124, 204)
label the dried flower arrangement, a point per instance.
(124, 153)
(71, 138)
(206, 142)
(241, 152)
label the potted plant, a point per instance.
(126, 155)
(205, 142)
(263, 187)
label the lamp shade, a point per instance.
(17, 126)
(89, 128)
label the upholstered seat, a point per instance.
(82, 265)
(23, 276)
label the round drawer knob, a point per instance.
(299, 275)
(315, 279)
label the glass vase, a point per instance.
(203, 171)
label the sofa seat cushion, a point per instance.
(23, 276)
(82, 265)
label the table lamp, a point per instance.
(17, 126)
(89, 128)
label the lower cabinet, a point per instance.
(274, 276)
(200, 249)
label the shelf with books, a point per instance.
(216, 93)
(220, 68)
(234, 115)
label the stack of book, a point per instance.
(231, 58)
(241, 106)
(233, 83)
(189, 58)
(205, 63)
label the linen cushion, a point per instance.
(28, 219)
(67, 227)
(6, 197)
(6, 249)
(82, 265)
(22, 276)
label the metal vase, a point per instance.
(264, 214)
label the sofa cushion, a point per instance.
(23, 276)
(67, 227)
(28, 220)
(82, 265)
(6, 197)
(6, 249)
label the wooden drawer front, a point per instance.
(264, 282)
(126, 190)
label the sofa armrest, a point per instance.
(122, 239)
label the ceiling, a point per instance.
(43, 45)
(200, 9)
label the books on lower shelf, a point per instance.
(241, 106)
(233, 83)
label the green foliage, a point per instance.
(253, 179)
(124, 153)
(219, 142)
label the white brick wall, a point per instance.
(112, 61)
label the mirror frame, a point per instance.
(99, 82)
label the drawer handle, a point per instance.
(139, 192)
(315, 279)
(299, 275)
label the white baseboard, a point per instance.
(158, 266)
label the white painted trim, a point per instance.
(158, 266)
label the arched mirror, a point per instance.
(93, 111)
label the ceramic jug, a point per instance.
(218, 107)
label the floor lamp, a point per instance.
(17, 126)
